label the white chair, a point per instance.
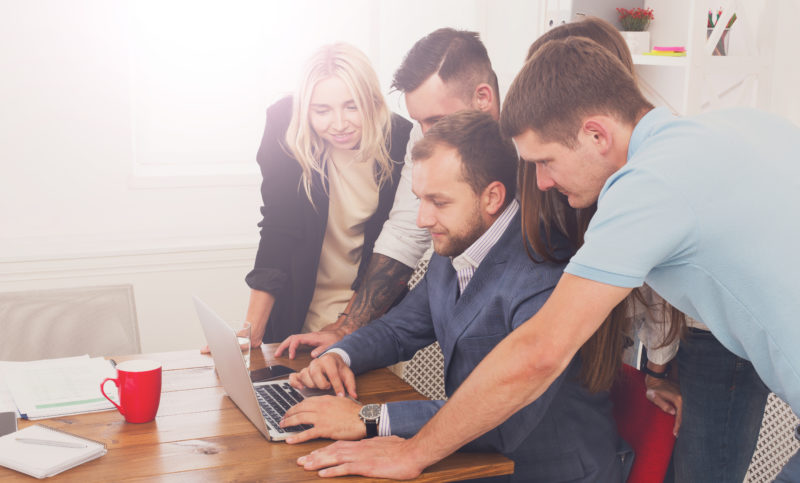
(46, 324)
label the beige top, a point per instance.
(353, 196)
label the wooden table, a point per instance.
(200, 435)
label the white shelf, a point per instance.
(659, 60)
(731, 62)
(706, 81)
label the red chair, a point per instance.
(643, 425)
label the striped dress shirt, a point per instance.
(465, 266)
(466, 263)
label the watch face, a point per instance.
(370, 411)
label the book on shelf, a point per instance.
(667, 51)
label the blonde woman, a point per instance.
(330, 158)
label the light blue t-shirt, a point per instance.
(706, 212)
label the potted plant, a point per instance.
(634, 23)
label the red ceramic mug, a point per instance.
(139, 385)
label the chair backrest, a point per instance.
(46, 324)
(643, 425)
(776, 441)
(425, 371)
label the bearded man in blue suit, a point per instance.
(480, 285)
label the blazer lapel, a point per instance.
(469, 304)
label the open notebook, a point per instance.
(43, 460)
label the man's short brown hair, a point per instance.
(457, 56)
(486, 156)
(565, 81)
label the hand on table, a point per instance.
(320, 340)
(256, 336)
(333, 417)
(386, 457)
(255, 342)
(329, 371)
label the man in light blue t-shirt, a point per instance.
(699, 208)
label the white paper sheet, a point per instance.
(6, 401)
(55, 387)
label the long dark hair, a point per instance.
(601, 355)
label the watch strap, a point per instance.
(370, 414)
(657, 375)
(372, 427)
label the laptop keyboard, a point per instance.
(275, 400)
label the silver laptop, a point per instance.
(264, 403)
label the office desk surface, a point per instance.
(200, 435)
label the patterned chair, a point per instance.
(425, 371)
(776, 441)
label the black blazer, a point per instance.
(292, 229)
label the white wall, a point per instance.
(786, 63)
(128, 133)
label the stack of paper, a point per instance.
(668, 51)
(57, 387)
(41, 451)
(6, 401)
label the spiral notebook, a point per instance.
(42, 451)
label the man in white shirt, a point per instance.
(444, 72)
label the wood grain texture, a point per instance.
(200, 435)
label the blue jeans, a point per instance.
(723, 404)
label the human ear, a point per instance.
(493, 197)
(597, 130)
(483, 98)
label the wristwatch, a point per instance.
(657, 375)
(370, 414)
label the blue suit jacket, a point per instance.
(567, 434)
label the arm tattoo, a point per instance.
(384, 281)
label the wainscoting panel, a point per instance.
(162, 282)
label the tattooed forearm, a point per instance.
(384, 281)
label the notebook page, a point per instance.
(43, 460)
(53, 387)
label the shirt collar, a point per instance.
(475, 253)
(645, 127)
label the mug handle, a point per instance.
(116, 383)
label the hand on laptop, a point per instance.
(321, 340)
(329, 371)
(333, 417)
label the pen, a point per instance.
(50, 442)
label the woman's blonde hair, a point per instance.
(351, 66)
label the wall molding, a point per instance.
(194, 175)
(127, 262)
